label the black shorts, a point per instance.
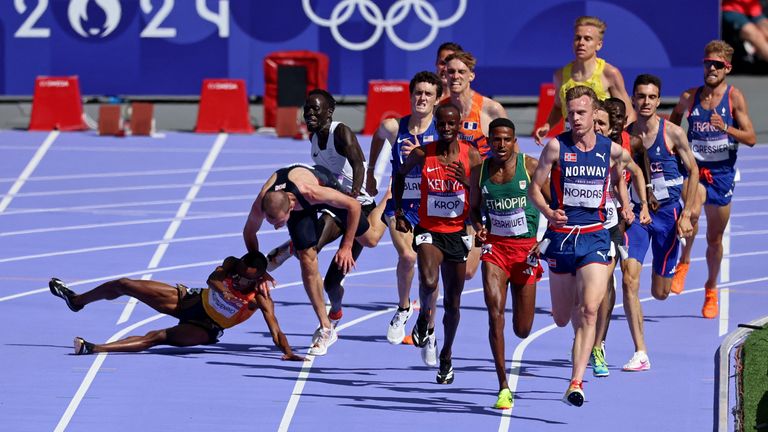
(191, 311)
(452, 245)
(304, 226)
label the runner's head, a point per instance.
(617, 117)
(581, 103)
(277, 207)
(717, 62)
(588, 34)
(318, 110)
(501, 136)
(460, 70)
(252, 265)
(646, 93)
(602, 120)
(426, 89)
(445, 49)
(448, 122)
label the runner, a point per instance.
(292, 197)
(579, 247)
(664, 142)
(406, 133)
(587, 70)
(440, 238)
(509, 234)
(235, 290)
(443, 51)
(718, 120)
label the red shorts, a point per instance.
(510, 255)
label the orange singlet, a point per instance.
(445, 205)
(227, 313)
(471, 131)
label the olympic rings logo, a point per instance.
(373, 15)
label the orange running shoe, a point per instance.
(678, 280)
(710, 308)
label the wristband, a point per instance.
(725, 129)
(649, 186)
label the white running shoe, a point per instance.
(327, 338)
(277, 256)
(429, 351)
(639, 362)
(396, 330)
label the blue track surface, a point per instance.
(97, 208)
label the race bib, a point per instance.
(221, 306)
(446, 204)
(659, 186)
(588, 193)
(508, 223)
(611, 214)
(412, 188)
(711, 151)
(423, 238)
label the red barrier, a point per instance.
(316, 65)
(56, 104)
(386, 99)
(547, 95)
(223, 107)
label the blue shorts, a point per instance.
(410, 209)
(720, 191)
(661, 235)
(570, 251)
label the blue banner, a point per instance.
(167, 47)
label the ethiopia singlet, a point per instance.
(579, 183)
(228, 313)
(412, 191)
(595, 82)
(471, 131)
(665, 174)
(337, 164)
(444, 202)
(506, 205)
(712, 148)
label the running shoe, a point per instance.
(505, 400)
(82, 347)
(419, 333)
(445, 374)
(396, 330)
(597, 360)
(277, 256)
(639, 362)
(710, 308)
(327, 338)
(59, 289)
(678, 280)
(429, 351)
(574, 396)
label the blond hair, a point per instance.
(720, 48)
(591, 21)
(464, 57)
(579, 91)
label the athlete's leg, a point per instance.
(591, 283)
(329, 230)
(473, 258)
(561, 289)
(695, 206)
(495, 291)
(406, 260)
(453, 285)
(631, 269)
(334, 280)
(181, 335)
(313, 284)
(373, 235)
(606, 307)
(755, 36)
(429, 258)
(523, 308)
(717, 219)
(159, 296)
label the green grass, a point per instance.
(755, 381)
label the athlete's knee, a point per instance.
(155, 337)
(630, 283)
(522, 329)
(407, 259)
(561, 318)
(428, 280)
(125, 285)
(660, 294)
(308, 259)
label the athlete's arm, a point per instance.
(216, 278)
(491, 110)
(683, 149)
(549, 156)
(555, 115)
(622, 160)
(256, 218)
(316, 194)
(682, 107)
(387, 131)
(346, 145)
(278, 337)
(641, 159)
(475, 205)
(416, 158)
(745, 133)
(617, 89)
(530, 166)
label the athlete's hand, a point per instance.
(344, 259)
(402, 224)
(627, 214)
(684, 227)
(541, 134)
(645, 216)
(456, 172)
(653, 203)
(293, 357)
(481, 234)
(370, 184)
(716, 121)
(558, 218)
(263, 285)
(407, 146)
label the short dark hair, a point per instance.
(324, 93)
(255, 260)
(446, 106)
(500, 122)
(645, 79)
(449, 46)
(429, 78)
(617, 115)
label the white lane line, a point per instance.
(725, 276)
(28, 170)
(517, 356)
(93, 370)
(173, 227)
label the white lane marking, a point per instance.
(181, 213)
(28, 170)
(517, 356)
(93, 370)
(725, 276)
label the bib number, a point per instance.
(449, 205)
(508, 223)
